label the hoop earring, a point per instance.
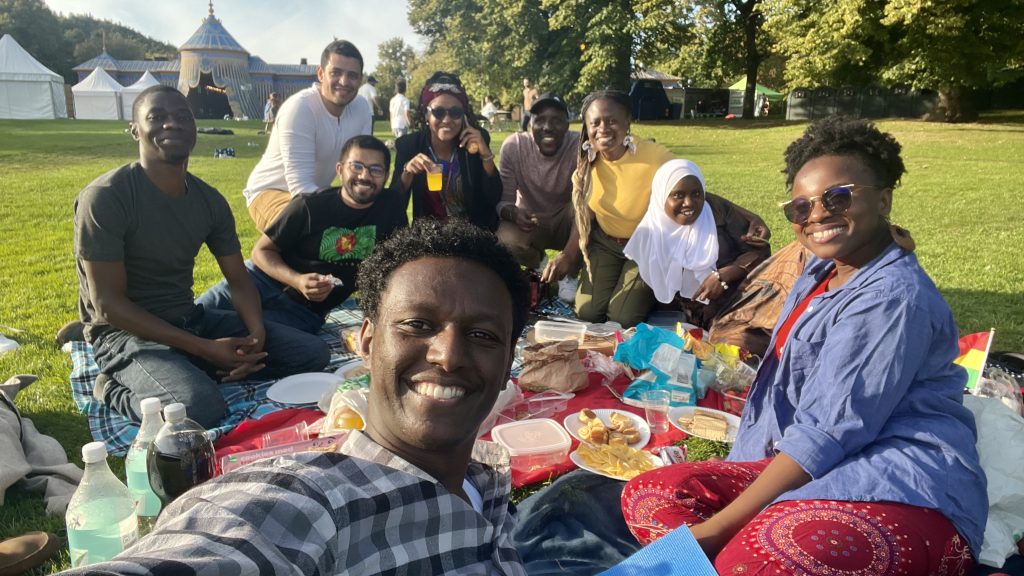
(589, 149)
(630, 143)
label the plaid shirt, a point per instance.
(363, 511)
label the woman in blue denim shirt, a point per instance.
(855, 454)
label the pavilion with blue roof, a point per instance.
(217, 75)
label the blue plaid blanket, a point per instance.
(246, 400)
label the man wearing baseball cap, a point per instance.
(536, 176)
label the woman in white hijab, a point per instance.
(683, 250)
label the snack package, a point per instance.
(347, 412)
(639, 349)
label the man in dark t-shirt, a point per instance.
(305, 262)
(138, 229)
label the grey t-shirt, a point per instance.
(123, 217)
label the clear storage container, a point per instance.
(548, 331)
(533, 444)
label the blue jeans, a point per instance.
(141, 369)
(277, 306)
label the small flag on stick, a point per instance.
(973, 354)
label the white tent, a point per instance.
(98, 97)
(28, 90)
(130, 93)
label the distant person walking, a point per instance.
(369, 93)
(529, 95)
(270, 111)
(399, 109)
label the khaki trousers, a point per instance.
(551, 233)
(267, 205)
(616, 292)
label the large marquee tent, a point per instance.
(130, 93)
(98, 97)
(28, 90)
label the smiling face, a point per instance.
(856, 236)
(607, 127)
(360, 187)
(439, 353)
(549, 126)
(685, 201)
(447, 128)
(339, 81)
(164, 127)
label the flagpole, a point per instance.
(988, 346)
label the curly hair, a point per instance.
(453, 238)
(845, 136)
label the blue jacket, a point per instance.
(866, 397)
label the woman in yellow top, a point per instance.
(611, 190)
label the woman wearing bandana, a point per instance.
(450, 138)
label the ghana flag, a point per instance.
(973, 353)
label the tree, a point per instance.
(394, 61)
(38, 31)
(953, 47)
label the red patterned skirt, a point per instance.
(806, 537)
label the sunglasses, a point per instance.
(455, 112)
(836, 200)
(376, 170)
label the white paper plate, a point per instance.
(674, 414)
(303, 388)
(579, 462)
(350, 366)
(572, 425)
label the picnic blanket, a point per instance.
(245, 399)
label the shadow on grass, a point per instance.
(978, 311)
(733, 124)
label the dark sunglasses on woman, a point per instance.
(836, 200)
(455, 112)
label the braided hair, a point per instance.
(581, 184)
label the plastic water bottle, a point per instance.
(182, 456)
(136, 464)
(101, 515)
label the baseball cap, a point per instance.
(548, 99)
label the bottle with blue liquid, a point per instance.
(147, 504)
(101, 515)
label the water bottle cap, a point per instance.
(174, 412)
(94, 452)
(150, 405)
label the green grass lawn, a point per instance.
(962, 199)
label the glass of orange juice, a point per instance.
(435, 180)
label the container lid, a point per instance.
(526, 437)
(150, 405)
(94, 452)
(174, 412)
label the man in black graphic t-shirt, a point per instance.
(305, 262)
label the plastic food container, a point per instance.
(541, 405)
(548, 331)
(534, 443)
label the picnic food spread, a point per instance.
(615, 460)
(620, 431)
(707, 425)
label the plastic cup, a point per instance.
(656, 402)
(705, 379)
(435, 180)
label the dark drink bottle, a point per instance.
(181, 457)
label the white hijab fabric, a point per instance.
(673, 258)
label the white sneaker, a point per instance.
(567, 289)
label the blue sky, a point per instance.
(279, 31)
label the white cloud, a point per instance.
(278, 31)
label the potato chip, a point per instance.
(618, 461)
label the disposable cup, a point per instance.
(435, 180)
(656, 402)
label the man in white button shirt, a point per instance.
(311, 128)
